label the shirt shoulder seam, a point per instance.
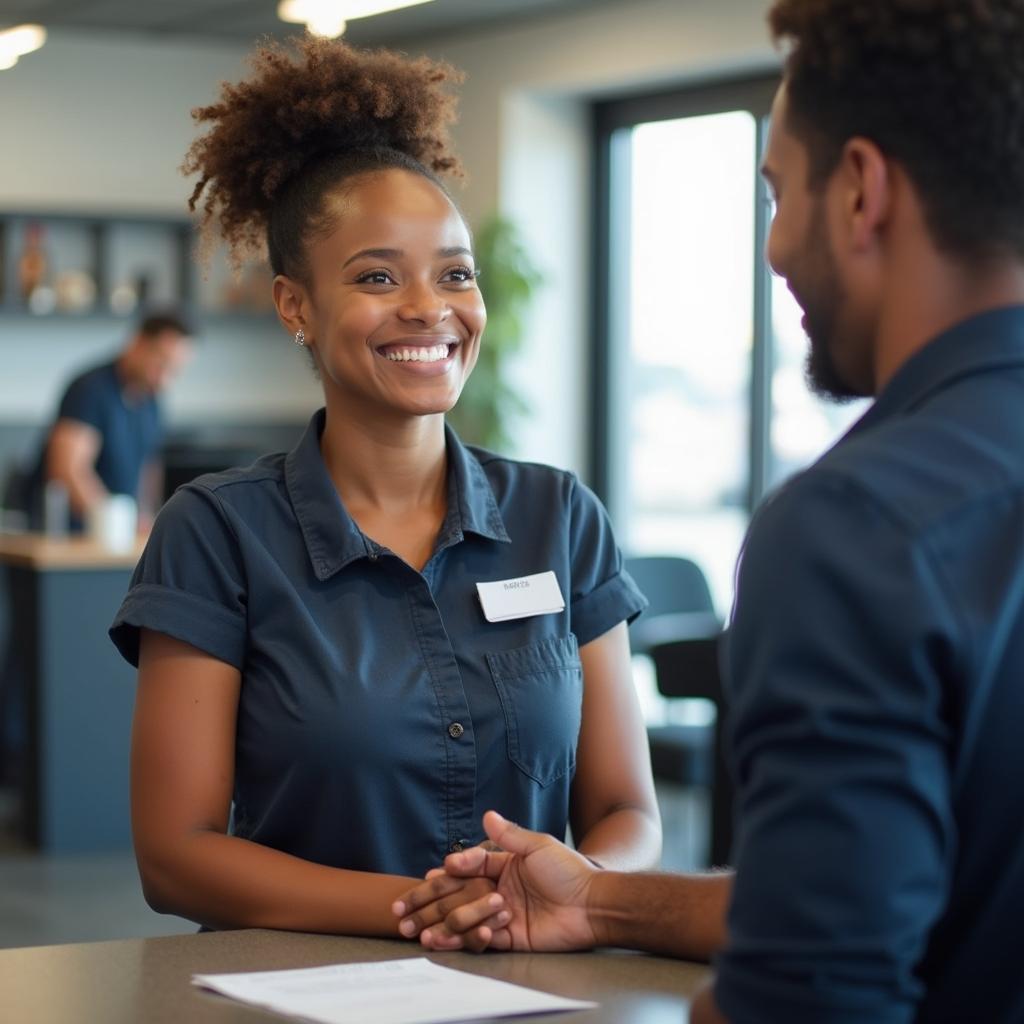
(486, 458)
(221, 484)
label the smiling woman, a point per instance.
(325, 709)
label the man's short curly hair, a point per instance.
(314, 114)
(938, 85)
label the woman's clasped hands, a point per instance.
(521, 891)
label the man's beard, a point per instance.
(821, 299)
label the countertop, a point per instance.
(38, 551)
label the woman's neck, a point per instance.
(390, 467)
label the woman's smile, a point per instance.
(425, 356)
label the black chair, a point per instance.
(679, 631)
(690, 667)
(680, 604)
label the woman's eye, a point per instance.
(460, 275)
(375, 277)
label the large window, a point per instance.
(700, 403)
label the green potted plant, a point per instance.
(508, 279)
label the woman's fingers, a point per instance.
(437, 885)
(477, 894)
(449, 917)
(486, 911)
(469, 932)
(433, 913)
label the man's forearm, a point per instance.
(675, 915)
(151, 491)
(85, 490)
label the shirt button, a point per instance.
(456, 848)
(455, 730)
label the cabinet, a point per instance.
(58, 265)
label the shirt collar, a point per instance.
(988, 341)
(331, 535)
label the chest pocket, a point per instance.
(540, 687)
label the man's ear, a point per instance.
(865, 180)
(292, 303)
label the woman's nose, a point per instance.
(424, 305)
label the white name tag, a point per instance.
(521, 598)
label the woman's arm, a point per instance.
(613, 811)
(182, 776)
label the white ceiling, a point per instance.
(243, 21)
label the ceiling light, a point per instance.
(328, 17)
(16, 42)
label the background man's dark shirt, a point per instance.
(130, 428)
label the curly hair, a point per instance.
(312, 116)
(938, 85)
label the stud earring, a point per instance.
(300, 338)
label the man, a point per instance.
(107, 435)
(876, 654)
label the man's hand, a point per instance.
(543, 886)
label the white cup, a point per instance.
(112, 522)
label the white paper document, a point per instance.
(413, 991)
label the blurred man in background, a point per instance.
(108, 431)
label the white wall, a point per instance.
(99, 123)
(102, 124)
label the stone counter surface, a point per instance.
(150, 979)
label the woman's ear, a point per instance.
(292, 303)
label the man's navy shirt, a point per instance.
(380, 713)
(876, 688)
(130, 431)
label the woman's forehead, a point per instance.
(396, 203)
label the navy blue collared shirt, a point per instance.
(876, 688)
(380, 713)
(130, 431)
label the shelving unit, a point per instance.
(113, 266)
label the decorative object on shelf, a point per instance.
(33, 263)
(123, 298)
(75, 291)
(508, 281)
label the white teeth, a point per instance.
(419, 355)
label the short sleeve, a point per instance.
(839, 645)
(190, 582)
(603, 593)
(84, 401)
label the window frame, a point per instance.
(753, 94)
